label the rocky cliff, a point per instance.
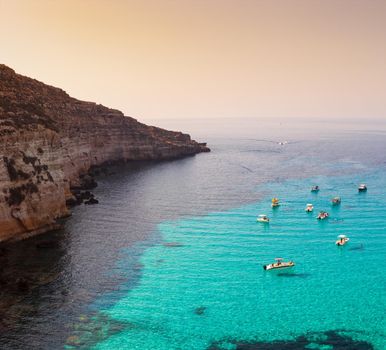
(49, 141)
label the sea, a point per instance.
(172, 256)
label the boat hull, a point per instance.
(278, 267)
(340, 243)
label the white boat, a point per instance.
(263, 218)
(309, 208)
(322, 215)
(362, 188)
(279, 264)
(315, 188)
(342, 240)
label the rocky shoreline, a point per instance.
(51, 145)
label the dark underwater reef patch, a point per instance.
(200, 310)
(334, 340)
(94, 328)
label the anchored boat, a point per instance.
(279, 264)
(315, 188)
(263, 218)
(275, 202)
(342, 240)
(362, 188)
(309, 208)
(322, 215)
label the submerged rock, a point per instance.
(80, 197)
(73, 340)
(83, 318)
(92, 200)
(200, 310)
(327, 340)
(95, 328)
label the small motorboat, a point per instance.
(315, 188)
(275, 202)
(342, 240)
(362, 188)
(279, 264)
(336, 201)
(322, 215)
(263, 218)
(309, 208)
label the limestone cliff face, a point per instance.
(48, 140)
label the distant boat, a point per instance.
(362, 188)
(315, 188)
(263, 218)
(322, 215)
(309, 208)
(279, 264)
(275, 202)
(336, 201)
(342, 240)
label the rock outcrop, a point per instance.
(49, 141)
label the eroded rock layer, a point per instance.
(49, 140)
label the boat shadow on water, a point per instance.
(358, 247)
(337, 221)
(293, 274)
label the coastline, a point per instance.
(97, 241)
(50, 142)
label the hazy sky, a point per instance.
(320, 59)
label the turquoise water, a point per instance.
(172, 256)
(203, 282)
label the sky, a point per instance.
(197, 59)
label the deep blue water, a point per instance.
(172, 256)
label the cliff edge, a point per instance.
(49, 141)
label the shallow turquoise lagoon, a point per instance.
(204, 284)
